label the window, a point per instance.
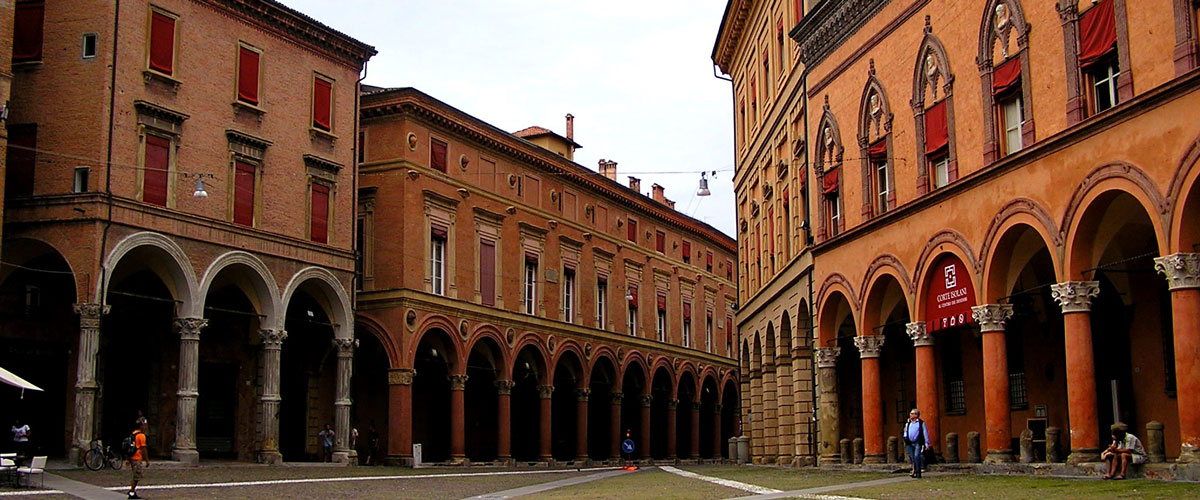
(881, 185)
(88, 46)
(708, 332)
(1102, 78)
(163, 28)
(1098, 53)
(766, 58)
(687, 252)
(631, 230)
(834, 211)
(27, 31)
(632, 312)
(360, 238)
(662, 325)
(728, 334)
(602, 304)
(80, 182)
(157, 165)
(21, 160)
(1012, 115)
(247, 75)
(742, 123)
(937, 140)
(318, 229)
(941, 170)
(487, 273)
(728, 268)
(708, 259)
(322, 103)
(660, 242)
(245, 175)
(437, 155)
(687, 324)
(437, 260)
(529, 300)
(569, 295)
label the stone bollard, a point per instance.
(743, 449)
(1156, 450)
(1053, 453)
(858, 450)
(973, 455)
(893, 445)
(845, 450)
(733, 449)
(1026, 446)
(951, 451)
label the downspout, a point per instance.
(108, 164)
(355, 281)
(812, 329)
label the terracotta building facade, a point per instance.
(520, 307)
(179, 225)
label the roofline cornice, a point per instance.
(733, 24)
(288, 23)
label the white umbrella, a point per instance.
(15, 381)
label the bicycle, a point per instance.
(99, 456)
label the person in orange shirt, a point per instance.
(141, 458)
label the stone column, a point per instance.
(672, 427)
(869, 347)
(504, 419)
(458, 388)
(1183, 277)
(545, 392)
(996, 408)
(755, 412)
(644, 443)
(268, 355)
(614, 424)
(189, 367)
(399, 442)
(828, 426)
(581, 423)
(85, 378)
(695, 407)
(770, 411)
(784, 414)
(1075, 298)
(927, 386)
(341, 404)
(717, 442)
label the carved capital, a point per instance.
(458, 382)
(992, 317)
(646, 400)
(1181, 269)
(345, 347)
(869, 346)
(90, 314)
(271, 337)
(827, 356)
(545, 391)
(1075, 296)
(717, 408)
(695, 405)
(504, 387)
(918, 333)
(672, 404)
(401, 376)
(582, 394)
(189, 328)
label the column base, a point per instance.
(75, 455)
(829, 459)
(343, 457)
(270, 457)
(190, 457)
(1083, 455)
(783, 460)
(874, 458)
(1188, 455)
(398, 460)
(999, 457)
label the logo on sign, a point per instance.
(951, 277)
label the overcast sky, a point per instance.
(636, 74)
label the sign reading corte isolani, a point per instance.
(950, 294)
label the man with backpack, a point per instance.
(134, 448)
(916, 439)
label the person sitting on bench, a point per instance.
(1125, 449)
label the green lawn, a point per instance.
(784, 478)
(1024, 487)
(644, 484)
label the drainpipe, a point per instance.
(108, 164)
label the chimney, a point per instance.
(635, 184)
(608, 168)
(659, 195)
(570, 127)
(671, 203)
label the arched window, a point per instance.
(1187, 43)
(875, 148)
(1004, 70)
(933, 109)
(1097, 57)
(827, 166)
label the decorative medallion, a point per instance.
(510, 336)
(551, 343)
(463, 161)
(412, 141)
(410, 318)
(463, 328)
(931, 67)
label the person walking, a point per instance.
(325, 437)
(20, 434)
(916, 439)
(140, 458)
(372, 443)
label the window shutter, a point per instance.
(631, 229)
(27, 31)
(154, 177)
(878, 151)
(437, 232)
(248, 75)
(829, 182)
(798, 6)
(785, 197)
(487, 273)
(437, 155)
(21, 160)
(633, 296)
(243, 194)
(322, 102)
(162, 43)
(687, 251)
(660, 241)
(937, 133)
(662, 302)
(319, 230)
(687, 312)
(1006, 76)
(1097, 33)
(708, 261)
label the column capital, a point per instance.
(272, 337)
(401, 376)
(616, 397)
(345, 347)
(696, 406)
(827, 356)
(90, 314)
(869, 346)
(545, 391)
(672, 404)
(458, 382)
(919, 334)
(583, 394)
(504, 387)
(717, 408)
(1075, 296)
(646, 400)
(1181, 269)
(992, 317)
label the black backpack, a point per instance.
(129, 444)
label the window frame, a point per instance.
(237, 78)
(661, 325)
(529, 288)
(602, 304)
(312, 118)
(1003, 102)
(256, 190)
(437, 263)
(41, 31)
(154, 9)
(1107, 70)
(172, 145)
(329, 187)
(569, 295)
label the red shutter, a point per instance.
(437, 232)
(1097, 33)
(631, 229)
(802, 176)
(248, 75)
(937, 133)
(27, 31)
(322, 99)
(320, 213)
(662, 302)
(660, 241)
(162, 43)
(878, 151)
(753, 94)
(728, 328)
(829, 182)
(531, 258)
(437, 155)
(728, 270)
(633, 296)
(687, 312)
(708, 261)
(21, 160)
(487, 273)
(771, 228)
(243, 194)
(785, 198)
(687, 251)
(154, 177)
(1006, 76)
(798, 6)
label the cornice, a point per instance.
(830, 24)
(733, 24)
(289, 23)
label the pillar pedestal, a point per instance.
(828, 425)
(272, 345)
(996, 407)
(84, 429)
(1075, 298)
(342, 453)
(1183, 277)
(869, 348)
(189, 367)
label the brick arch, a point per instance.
(931, 47)
(948, 241)
(570, 346)
(604, 352)
(32, 247)
(380, 333)
(725, 380)
(1112, 177)
(662, 362)
(531, 339)
(437, 322)
(836, 281)
(1183, 182)
(489, 331)
(709, 373)
(1018, 212)
(634, 357)
(885, 266)
(826, 330)
(683, 371)
(687, 366)
(988, 36)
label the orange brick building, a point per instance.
(226, 317)
(1015, 249)
(518, 306)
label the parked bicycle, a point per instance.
(99, 456)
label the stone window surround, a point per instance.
(1068, 11)
(439, 212)
(988, 36)
(873, 128)
(488, 228)
(1187, 42)
(931, 47)
(164, 123)
(832, 153)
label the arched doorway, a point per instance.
(633, 386)
(564, 416)
(687, 397)
(529, 378)
(886, 313)
(602, 382)
(730, 416)
(711, 440)
(308, 377)
(433, 361)
(481, 400)
(369, 413)
(662, 391)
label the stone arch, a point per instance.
(948, 241)
(443, 324)
(1180, 200)
(492, 333)
(933, 67)
(829, 320)
(604, 352)
(664, 363)
(1014, 23)
(262, 289)
(571, 348)
(19, 253)
(334, 294)
(687, 366)
(785, 333)
(377, 330)
(1001, 234)
(834, 285)
(874, 312)
(634, 358)
(1118, 177)
(175, 270)
(886, 264)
